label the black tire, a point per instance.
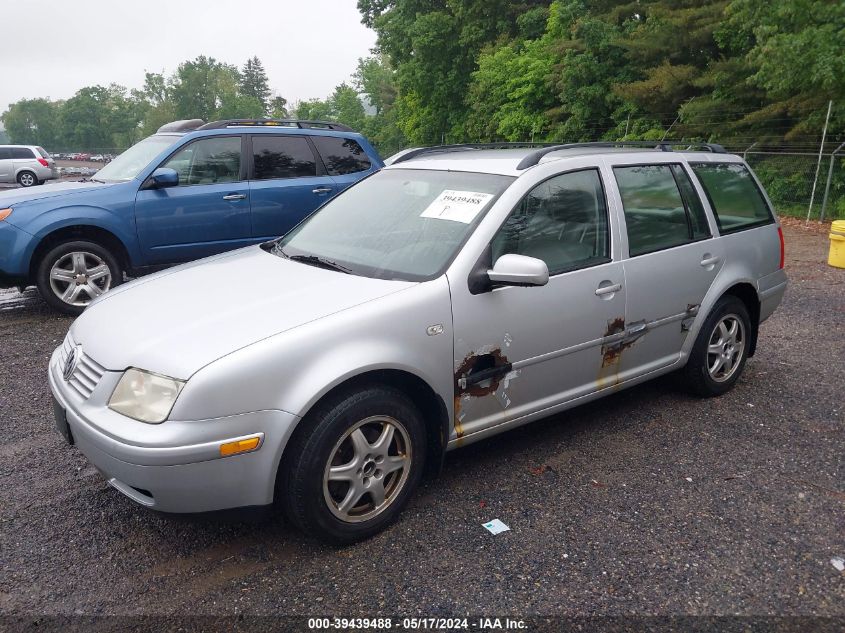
(27, 179)
(300, 484)
(697, 374)
(93, 252)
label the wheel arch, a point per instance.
(89, 232)
(747, 293)
(431, 405)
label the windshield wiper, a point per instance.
(315, 260)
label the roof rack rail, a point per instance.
(297, 123)
(664, 146)
(436, 149)
(185, 125)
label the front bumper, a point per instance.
(174, 466)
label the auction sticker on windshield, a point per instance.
(458, 206)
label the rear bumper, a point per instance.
(186, 474)
(770, 290)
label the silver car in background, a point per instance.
(456, 294)
(27, 165)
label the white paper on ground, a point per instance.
(458, 206)
(496, 527)
(838, 562)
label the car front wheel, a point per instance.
(355, 464)
(72, 274)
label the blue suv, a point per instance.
(191, 190)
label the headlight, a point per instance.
(145, 396)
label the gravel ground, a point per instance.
(648, 502)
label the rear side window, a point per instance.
(282, 157)
(736, 199)
(341, 155)
(22, 153)
(656, 215)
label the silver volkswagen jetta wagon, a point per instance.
(457, 293)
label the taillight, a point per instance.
(782, 247)
(44, 162)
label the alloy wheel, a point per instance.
(726, 348)
(78, 278)
(367, 469)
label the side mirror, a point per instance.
(519, 270)
(163, 177)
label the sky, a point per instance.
(53, 48)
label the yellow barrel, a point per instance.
(837, 244)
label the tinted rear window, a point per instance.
(282, 157)
(341, 155)
(734, 195)
(43, 152)
(22, 152)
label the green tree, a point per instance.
(254, 83)
(33, 121)
(200, 87)
(278, 107)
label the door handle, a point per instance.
(321, 190)
(235, 196)
(606, 290)
(709, 261)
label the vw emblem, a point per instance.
(71, 362)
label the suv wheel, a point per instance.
(27, 179)
(354, 466)
(73, 274)
(721, 349)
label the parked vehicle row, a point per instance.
(189, 191)
(453, 295)
(82, 156)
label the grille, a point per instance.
(87, 374)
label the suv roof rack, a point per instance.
(185, 125)
(546, 148)
(435, 149)
(297, 123)
(664, 146)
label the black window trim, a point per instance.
(590, 263)
(241, 176)
(321, 169)
(744, 227)
(683, 201)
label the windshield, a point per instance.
(398, 224)
(131, 162)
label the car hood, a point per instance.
(176, 322)
(51, 190)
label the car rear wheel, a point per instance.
(27, 179)
(353, 467)
(73, 274)
(721, 349)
